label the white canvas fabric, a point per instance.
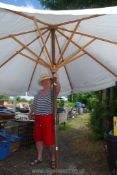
(83, 74)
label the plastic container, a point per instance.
(14, 140)
(111, 142)
(1, 138)
(4, 149)
(9, 136)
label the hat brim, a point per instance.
(49, 78)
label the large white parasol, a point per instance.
(85, 44)
(81, 45)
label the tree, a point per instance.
(4, 97)
(19, 99)
(86, 98)
(76, 4)
(60, 103)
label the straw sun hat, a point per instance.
(44, 77)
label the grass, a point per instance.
(80, 121)
(82, 146)
(79, 130)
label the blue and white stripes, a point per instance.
(43, 104)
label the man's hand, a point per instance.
(30, 116)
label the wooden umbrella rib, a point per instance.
(75, 53)
(45, 43)
(67, 38)
(73, 59)
(11, 57)
(42, 40)
(68, 41)
(37, 63)
(44, 23)
(28, 17)
(22, 33)
(24, 55)
(32, 76)
(17, 34)
(33, 53)
(86, 52)
(90, 36)
(82, 19)
(99, 62)
(76, 58)
(30, 58)
(63, 60)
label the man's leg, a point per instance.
(39, 146)
(53, 152)
(53, 157)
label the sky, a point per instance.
(24, 3)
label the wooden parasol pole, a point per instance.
(54, 71)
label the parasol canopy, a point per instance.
(85, 44)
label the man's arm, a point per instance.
(58, 87)
(31, 110)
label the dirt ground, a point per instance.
(79, 153)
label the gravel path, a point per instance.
(79, 154)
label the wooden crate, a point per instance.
(5, 117)
(15, 146)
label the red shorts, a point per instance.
(44, 129)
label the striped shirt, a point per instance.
(43, 104)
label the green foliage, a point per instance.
(91, 102)
(113, 107)
(60, 103)
(88, 99)
(69, 104)
(98, 116)
(76, 4)
(30, 101)
(73, 97)
(4, 97)
(102, 114)
(19, 99)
